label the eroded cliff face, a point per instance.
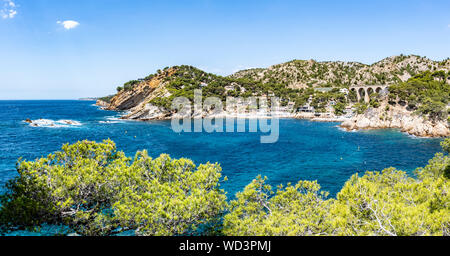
(400, 118)
(102, 104)
(143, 92)
(136, 100)
(146, 111)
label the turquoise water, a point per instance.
(305, 151)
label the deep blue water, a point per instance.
(305, 151)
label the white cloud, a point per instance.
(8, 9)
(69, 24)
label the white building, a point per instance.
(344, 91)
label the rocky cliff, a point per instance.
(400, 118)
(136, 99)
(103, 104)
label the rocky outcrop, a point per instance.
(147, 112)
(136, 100)
(52, 124)
(142, 93)
(102, 104)
(398, 118)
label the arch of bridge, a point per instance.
(367, 89)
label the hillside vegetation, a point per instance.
(311, 73)
(181, 81)
(417, 85)
(94, 189)
(426, 93)
(287, 78)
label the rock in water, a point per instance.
(398, 118)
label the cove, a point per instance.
(305, 150)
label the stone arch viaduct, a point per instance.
(366, 90)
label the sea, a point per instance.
(305, 150)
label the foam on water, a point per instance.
(47, 123)
(112, 120)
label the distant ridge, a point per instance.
(310, 73)
(89, 99)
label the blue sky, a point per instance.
(53, 49)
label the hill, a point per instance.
(418, 90)
(310, 73)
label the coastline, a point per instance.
(398, 117)
(407, 123)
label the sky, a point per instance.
(53, 49)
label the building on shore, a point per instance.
(306, 109)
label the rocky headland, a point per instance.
(397, 118)
(150, 98)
